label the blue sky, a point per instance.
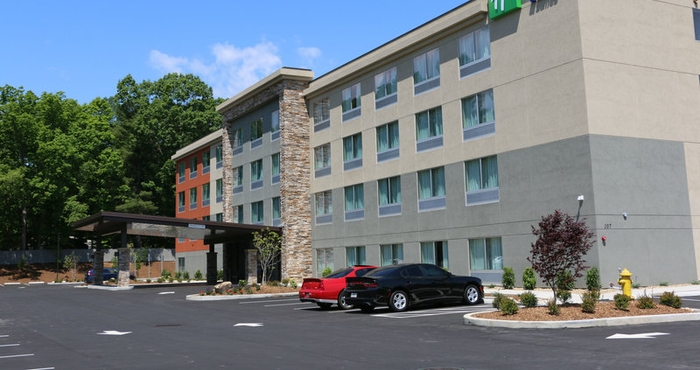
(84, 47)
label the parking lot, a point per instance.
(62, 327)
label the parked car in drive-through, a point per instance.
(107, 274)
(407, 285)
(328, 290)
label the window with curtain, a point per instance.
(219, 190)
(389, 190)
(385, 84)
(181, 201)
(482, 173)
(219, 217)
(426, 66)
(237, 138)
(388, 136)
(352, 147)
(354, 197)
(324, 259)
(275, 121)
(324, 203)
(321, 111)
(429, 124)
(193, 198)
(322, 156)
(238, 176)
(219, 155)
(351, 98)
(206, 194)
(485, 254)
(435, 253)
(181, 172)
(276, 214)
(257, 212)
(478, 109)
(431, 183)
(355, 256)
(193, 167)
(475, 46)
(275, 159)
(391, 254)
(256, 129)
(206, 159)
(256, 170)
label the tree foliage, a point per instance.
(561, 244)
(269, 246)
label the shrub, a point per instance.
(622, 302)
(327, 271)
(249, 290)
(497, 299)
(593, 279)
(552, 307)
(178, 275)
(198, 275)
(508, 279)
(242, 283)
(293, 283)
(528, 299)
(148, 281)
(273, 283)
(564, 296)
(645, 302)
(670, 299)
(186, 275)
(529, 279)
(509, 307)
(565, 281)
(161, 280)
(589, 300)
(285, 281)
(219, 275)
(165, 274)
(256, 286)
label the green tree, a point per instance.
(561, 244)
(269, 246)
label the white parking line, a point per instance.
(43, 368)
(284, 304)
(424, 313)
(4, 336)
(13, 356)
(9, 345)
(270, 301)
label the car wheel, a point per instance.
(471, 294)
(398, 301)
(341, 301)
(324, 306)
(367, 308)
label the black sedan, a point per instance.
(406, 285)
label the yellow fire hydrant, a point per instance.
(625, 282)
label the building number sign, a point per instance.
(499, 8)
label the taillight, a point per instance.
(369, 284)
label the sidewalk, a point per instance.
(545, 294)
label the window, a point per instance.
(275, 125)
(219, 190)
(429, 129)
(482, 180)
(237, 141)
(219, 156)
(355, 256)
(276, 213)
(389, 193)
(193, 167)
(321, 114)
(322, 160)
(237, 179)
(431, 189)
(324, 260)
(426, 71)
(435, 253)
(275, 159)
(385, 88)
(181, 172)
(238, 214)
(388, 141)
(354, 202)
(256, 132)
(206, 159)
(219, 217)
(352, 152)
(206, 218)
(475, 52)
(324, 207)
(206, 194)
(391, 254)
(257, 212)
(181, 201)
(181, 264)
(485, 254)
(256, 174)
(351, 102)
(478, 115)
(193, 198)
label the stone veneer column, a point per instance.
(251, 265)
(295, 182)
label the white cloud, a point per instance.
(233, 70)
(308, 55)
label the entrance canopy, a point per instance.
(212, 232)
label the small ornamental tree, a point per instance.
(269, 246)
(560, 246)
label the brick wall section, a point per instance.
(295, 172)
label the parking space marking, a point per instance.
(4, 335)
(269, 301)
(284, 304)
(9, 345)
(690, 299)
(426, 313)
(43, 368)
(13, 356)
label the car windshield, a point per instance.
(340, 273)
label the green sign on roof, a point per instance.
(499, 8)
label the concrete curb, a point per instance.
(109, 288)
(469, 319)
(197, 297)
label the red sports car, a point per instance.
(329, 290)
